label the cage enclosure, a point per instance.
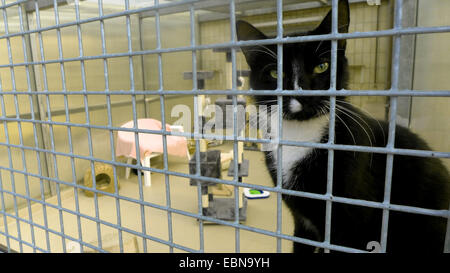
(73, 72)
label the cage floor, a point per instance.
(261, 213)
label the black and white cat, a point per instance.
(416, 181)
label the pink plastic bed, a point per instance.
(150, 145)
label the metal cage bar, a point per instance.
(392, 122)
(235, 125)
(279, 183)
(69, 131)
(16, 104)
(163, 121)
(49, 151)
(196, 129)
(109, 112)
(331, 129)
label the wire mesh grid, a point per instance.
(43, 123)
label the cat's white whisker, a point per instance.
(370, 115)
(359, 124)
(318, 46)
(358, 116)
(269, 51)
(262, 51)
(346, 126)
(329, 51)
(362, 127)
(347, 112)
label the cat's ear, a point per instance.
(245, 31)
(343, 21)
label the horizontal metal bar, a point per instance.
(99, 18)
(181, 212)
(176, 7)
(324, 197)
(339, 36)
(214, 15)
(232, 92)
(13, 4)
(94, 219)
(238, 44)
(60, 112)
(368, 149)
(5, 249)
(182, 7)
(438, 213)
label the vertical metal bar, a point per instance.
(38, 131)
(235, 125)
(144, 76)
(3, 211)
(139, 160)
(69, 131)
(43, 112)
(32, 86)
(50, 125)
(136, 135)
(133, 100)
(111, 135)
(163, 121)
(195, 88)
(447, 235)
(86, 107)
(392, 121)
(197, 155)
(52, 169)
(391, 140)
(407, 62)
(1, 180)
(19, 125)
(13, 182)
(7, 137)
(279, 183)
(331, 131)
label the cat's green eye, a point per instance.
(321, 68)
(274, 74)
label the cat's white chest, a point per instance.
(302, 131)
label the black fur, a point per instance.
(416, 181)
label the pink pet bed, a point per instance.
(149, 143)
